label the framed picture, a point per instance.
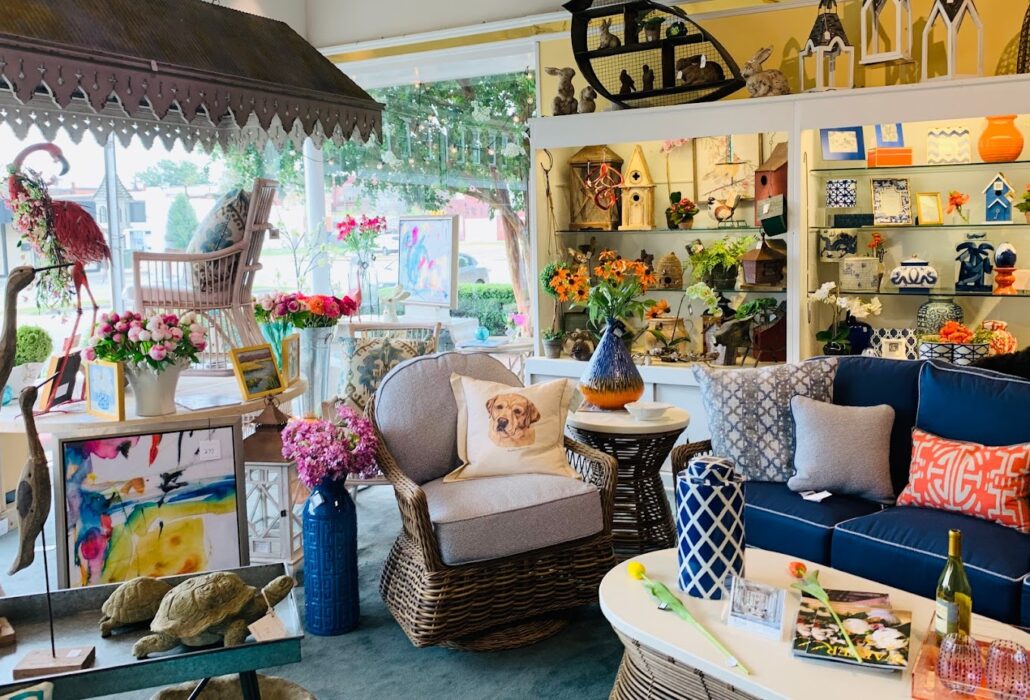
(842, 193)
(429, 260)
(928, 209)
(890, 136)
(894, 349)
(105, 389)
(843, 143)
(63, 387)
(892, 202)
(170, 499)
(948, 145)
(756, 607)
(256, 371)
(291, 358)
(724, 166)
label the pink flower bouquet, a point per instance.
(158, 341)
(322, 310)
(277, 307)
(331, 449)
(359, 235)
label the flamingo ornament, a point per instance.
(63, 233)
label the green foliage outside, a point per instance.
(490, 303)
(32, 344)
(175, 173)
(182, 221)
(243, 166)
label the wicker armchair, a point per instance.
(682, 454)
(483, 605)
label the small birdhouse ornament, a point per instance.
(637, 195)
(886, 31)
(595, 180)
(827, 44)
(953, 14)
(998, 200)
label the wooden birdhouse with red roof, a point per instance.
(637, 194)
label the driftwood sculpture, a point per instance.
(17, 281)
(33, 495)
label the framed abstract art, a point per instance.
(429, 260)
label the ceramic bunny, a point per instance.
(691, 71)
(565, 101)
(587, 100)
(608, 40)
(764, 83)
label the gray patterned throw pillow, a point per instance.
(749, 412)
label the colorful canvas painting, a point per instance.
(429, 260)
(154, 504)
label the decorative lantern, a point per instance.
(595, 179)
(827, 43)
(876, 29)
(763, 265)
(275, 496)
(637, 195)
(669, 272)
(953, 14)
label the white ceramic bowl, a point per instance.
(647, 410)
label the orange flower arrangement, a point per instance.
(618, 283)
(955, 332)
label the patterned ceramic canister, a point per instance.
(860, 274)
(933, 314)
(709, 526)
(968, 353)
(835, 245)
(914, 276)
(936, 351)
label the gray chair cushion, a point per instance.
(483, 519)
(417, 415)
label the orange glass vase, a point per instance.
(1001, 141)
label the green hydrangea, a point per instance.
(33, 344)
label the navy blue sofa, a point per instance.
(905, 547)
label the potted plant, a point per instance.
(554, 341)
(717, 264)
(681, 211)
(956, 343)
(33, 346)
(1023, 204)
(556, 280)
(652, 27)
(841, 338)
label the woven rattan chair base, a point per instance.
(455, 604)
(513, 636)
(645, 674)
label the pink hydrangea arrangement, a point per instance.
(331, 449)
(359, 235)
(157, 341)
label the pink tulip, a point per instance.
(121, 326)
(158, 353)
(90, 354)
(176, 333)
(113, 318)
(197, 338)
(200, 346)
(118, 337)
(105, 329)
(144, 336)
(134, 334)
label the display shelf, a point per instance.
(667, 231)
(957, 227)
(938, 292)
(735, 290)
(915, 169)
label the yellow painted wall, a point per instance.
(787, 30)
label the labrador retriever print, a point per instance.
(511, 420)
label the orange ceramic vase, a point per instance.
(1001, 141)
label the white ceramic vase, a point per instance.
(154, 391)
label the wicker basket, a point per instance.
(669, 272)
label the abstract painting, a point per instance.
(429, 260)
(105, 389)
(149, 504)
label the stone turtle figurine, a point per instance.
(209, 608)
(133, 602)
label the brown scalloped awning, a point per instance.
(188, 69)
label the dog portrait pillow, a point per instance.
(504, 430)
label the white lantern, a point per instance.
(953, 14)
(882, 42)
(827, 45)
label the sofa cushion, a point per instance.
(367, 360)
(482, 519)
(906, 548)
(1024, 606)
(780, 520)
(974, 405)
(872, 381)
(749, 412)
(417, 415)
(223, 226)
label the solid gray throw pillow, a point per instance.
(842, 449)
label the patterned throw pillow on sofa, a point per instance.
(223, 227)
(749, 412)
(990, 483)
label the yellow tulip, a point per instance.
(636, 570)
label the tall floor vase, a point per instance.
(315, 344)
(331, 604)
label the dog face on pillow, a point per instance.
(511, 420)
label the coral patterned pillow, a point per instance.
(990, 483)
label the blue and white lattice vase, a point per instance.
(709, 526)
(330, 560)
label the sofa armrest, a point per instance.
(598, 469)
(682, 454)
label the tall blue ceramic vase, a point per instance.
(330, 560)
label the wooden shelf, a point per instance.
(685, 40)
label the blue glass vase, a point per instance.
(275, 332)
(330, 560)
(611, 379)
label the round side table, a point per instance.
(642, 517)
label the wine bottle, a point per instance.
(954, 596)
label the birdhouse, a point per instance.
(275, 496)
(637, 194)
(826, 46)
(669, 272)
(763, 265)
(770, 182)
(998, 200)
(595, 182)
(953, 14)
(886, 31)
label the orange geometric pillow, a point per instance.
(990, 483)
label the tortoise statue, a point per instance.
(209, 608)
(132, 602)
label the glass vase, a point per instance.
(315, 344)
(331, 604)
(274, 332)
(611, 379)
(365, 278)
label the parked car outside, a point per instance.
(470, 271)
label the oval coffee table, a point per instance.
(666, 658)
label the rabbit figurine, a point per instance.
(763, 83)
(698, 70)
(587, 100)
(565, 101)
(608, 40)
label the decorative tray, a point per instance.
(927, 686)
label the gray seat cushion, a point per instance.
(417, 415)
(483, 519)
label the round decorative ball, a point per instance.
(1005, 255)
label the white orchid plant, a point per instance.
(830, 295)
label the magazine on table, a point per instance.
(881, 635)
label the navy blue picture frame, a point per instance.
(882, 142)
(829, 153)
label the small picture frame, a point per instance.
(890, 136)
(843, 143)
(842, 193)
(894, 349)
(257, 372)
(105, 389)
(61, 388)
(756, 607)
(929, 211)
(291, 359)
(892, 202)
